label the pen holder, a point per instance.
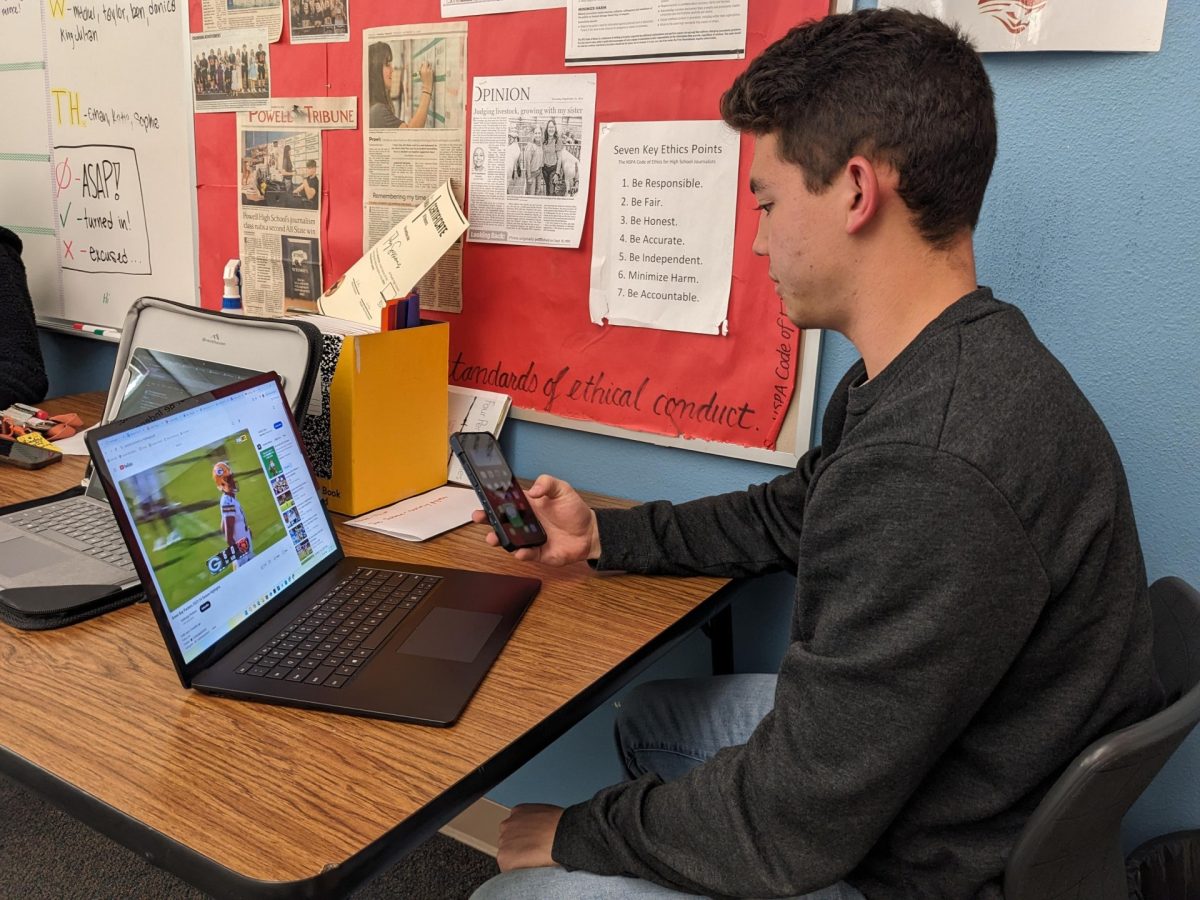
(387, 410)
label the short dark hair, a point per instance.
(894, 86)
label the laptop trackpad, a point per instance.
(455, 634)
(21, 555)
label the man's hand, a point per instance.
(569, 523)
(527, 836)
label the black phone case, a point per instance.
(39, 464)
(493, 518)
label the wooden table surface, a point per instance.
(279, 794)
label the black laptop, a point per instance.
(257, 600)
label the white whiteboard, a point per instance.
(97, 161)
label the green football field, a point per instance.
(183, 536)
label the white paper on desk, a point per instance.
(397, 261)
(74, 445)
(423, 516)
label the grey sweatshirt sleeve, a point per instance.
(738, 534)
(905, 551)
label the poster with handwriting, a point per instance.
(91, 168)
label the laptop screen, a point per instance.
(223, 507)
(154, 378)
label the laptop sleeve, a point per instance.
(290, 347)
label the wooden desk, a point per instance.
(252, 800)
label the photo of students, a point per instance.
(324, 19)
(543, 156)
(224, 73)
(268, 175)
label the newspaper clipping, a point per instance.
(531, 143)
(231, 70)
(642, 31)
(319, 21)
(414, 89)
(223, 15)
(280, 221)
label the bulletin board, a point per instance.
(525, 309)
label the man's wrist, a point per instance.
(594, 546)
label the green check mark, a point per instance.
(62, 217)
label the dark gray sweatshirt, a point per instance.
(970, 613)
(22, 374)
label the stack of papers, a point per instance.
(334, 325)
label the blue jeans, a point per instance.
(669, 728)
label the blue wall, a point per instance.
(1091, 226)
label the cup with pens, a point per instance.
(403, 312)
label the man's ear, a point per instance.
(866, 185)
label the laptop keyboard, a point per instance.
(87, 527)
(329, 642)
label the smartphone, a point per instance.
(505, 503)
(27, 456)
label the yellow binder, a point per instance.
(388, 408)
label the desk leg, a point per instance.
(720, 632)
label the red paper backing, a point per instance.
(525, 309)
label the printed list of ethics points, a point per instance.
(641, 233)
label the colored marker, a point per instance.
(96, 329)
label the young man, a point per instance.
(234, 527)
(971, 599)
(309, 188)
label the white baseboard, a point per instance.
(478, 825)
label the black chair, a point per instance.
(1071, 846)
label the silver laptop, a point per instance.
(75, 542)
(262, 603)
